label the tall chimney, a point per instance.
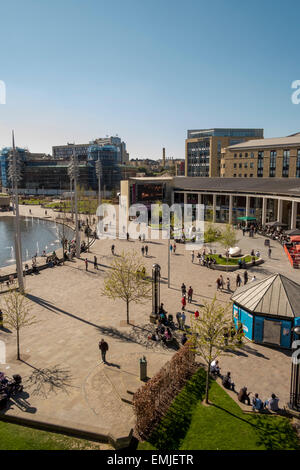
(164, 157)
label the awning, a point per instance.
(246, 218)
(276, 224)
(293, 231)
(295, 238)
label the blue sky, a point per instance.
(146, 70)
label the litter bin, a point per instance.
(143, 368)
(267, 242)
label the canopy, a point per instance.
(246, 218)
(275, 224)
(274, 295)
(295, 238)
(292, 231)
(297, 247)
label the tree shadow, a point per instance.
(275, 433)
(45, 381)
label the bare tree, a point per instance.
(207, 334)
(126, 280)
(16, 313)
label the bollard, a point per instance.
(143, 369)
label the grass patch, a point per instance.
(16, 437)
(222, 426)
(232, 261)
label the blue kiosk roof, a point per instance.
(276, 295)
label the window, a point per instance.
(246, 155)
(260, 164)
(286, 163)
(241, 155)
(246, 165)
(252, 155)
(240, 175)
(234, 175)
(298, 164)
(235, 155)
(251, 175)
(234, 165)
(240, 165)
(251, 165)
(245, 175)
(273, 155)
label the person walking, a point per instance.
(193, 256)
(178, 318)
(269, 252)
(221, 282)
(103, 346)
(95, 262)
(143, 250)
(174, 248)
(146, 250)
(171, 248)
(228, 284)
(218, 283)
(86, 264)
(190, 295)
(238, 280)
(112, 249)
(183, 302)
(183, 289)
(245, 277)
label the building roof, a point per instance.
(289, 141)
(276, 295)
(274, 186)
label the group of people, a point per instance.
(144, 250)
(186, 295)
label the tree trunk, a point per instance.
(207, 384)
(18, 345)
(127, 312)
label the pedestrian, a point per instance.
(269, 252)
(183, 302)
(1, 319)
(183, 318)
(171, 248)
(253, 279)
(174, 248)
(193, 256)
(228, 284)
(178, 318)
(221, 282)
(183, 339)
(95, 262)
(103, 346)
(112, 249)
(245, 277)
(218, 282)
(183, 289)
(127, 236)
(190, 294)
(196, 314)
(238, 280)
(86, 264)
(143, 250)
(146, 250)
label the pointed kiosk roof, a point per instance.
(276, 295)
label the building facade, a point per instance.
(263, 158)
(203, 148)
(224, 199)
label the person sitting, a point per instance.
(183, 339)
(243, 396)
(227, 382)
(167, 337)
(257, 404)
(272, 403)
(214, 368)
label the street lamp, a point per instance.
(74, 175)
(14, 175)
(295, 374)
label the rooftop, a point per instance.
(289, 141)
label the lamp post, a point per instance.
(14, 174)
(74, 174)
(295, 374)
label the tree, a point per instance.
(126, 282)
(207, 335)
(16, 313)
(228, 237)
(211, 234)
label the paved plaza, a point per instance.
(73, 316)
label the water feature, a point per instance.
(36, 237)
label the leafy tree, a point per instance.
(211, 234)
(16, 313)
(125, 281)
(228, 237)
(207, 334)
